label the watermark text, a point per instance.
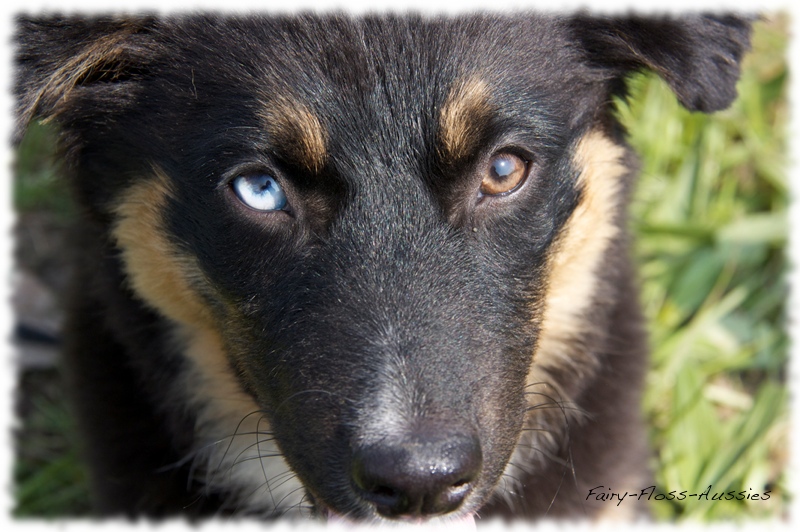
(651, 493)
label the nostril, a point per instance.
(385, 496)
(459, 487)
(455, 494)
(384, 491)
(387, 499)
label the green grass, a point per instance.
(50, 479)
(38, 186)
(710, 216)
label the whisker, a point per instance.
(230, 443)
(261, 461)
(246, 459)
(280, 406)
(290, 493)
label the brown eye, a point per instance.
(503, 173)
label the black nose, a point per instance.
(419, 477)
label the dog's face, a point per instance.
(368, 231)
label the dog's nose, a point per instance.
(417, 477)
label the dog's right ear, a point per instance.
(697, 55)
(61, 59)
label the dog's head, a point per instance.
(378, 233)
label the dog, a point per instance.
(365, 269)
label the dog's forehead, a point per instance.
(323, 85)
(359, 56)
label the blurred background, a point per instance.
(710, 217)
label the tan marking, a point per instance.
(572, 288)
(235, 447)
(231, 433)
(164, 278)
(462, 118)
(158, 272)
(574, 264)
(296, 131)
(218, 391)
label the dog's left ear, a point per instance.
(96, 59)
(698, 55)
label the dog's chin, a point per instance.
(457, 523)
(465, 522)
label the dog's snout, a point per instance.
(417, 478)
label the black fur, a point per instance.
(387, 310)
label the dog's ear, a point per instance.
(59, 58)
(697, 55)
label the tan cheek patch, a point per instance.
(578, 254)
(161, 275)
(296, 132)
(232, 432)
(573, 285)
(463, 118)
(211, 382)
(235, 448)
(213, 388)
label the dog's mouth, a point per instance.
(465, 522)
(455, 521)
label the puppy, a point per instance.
(370, 269)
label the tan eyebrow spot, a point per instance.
(464, 115)
(296, 131)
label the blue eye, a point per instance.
(260, 192)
